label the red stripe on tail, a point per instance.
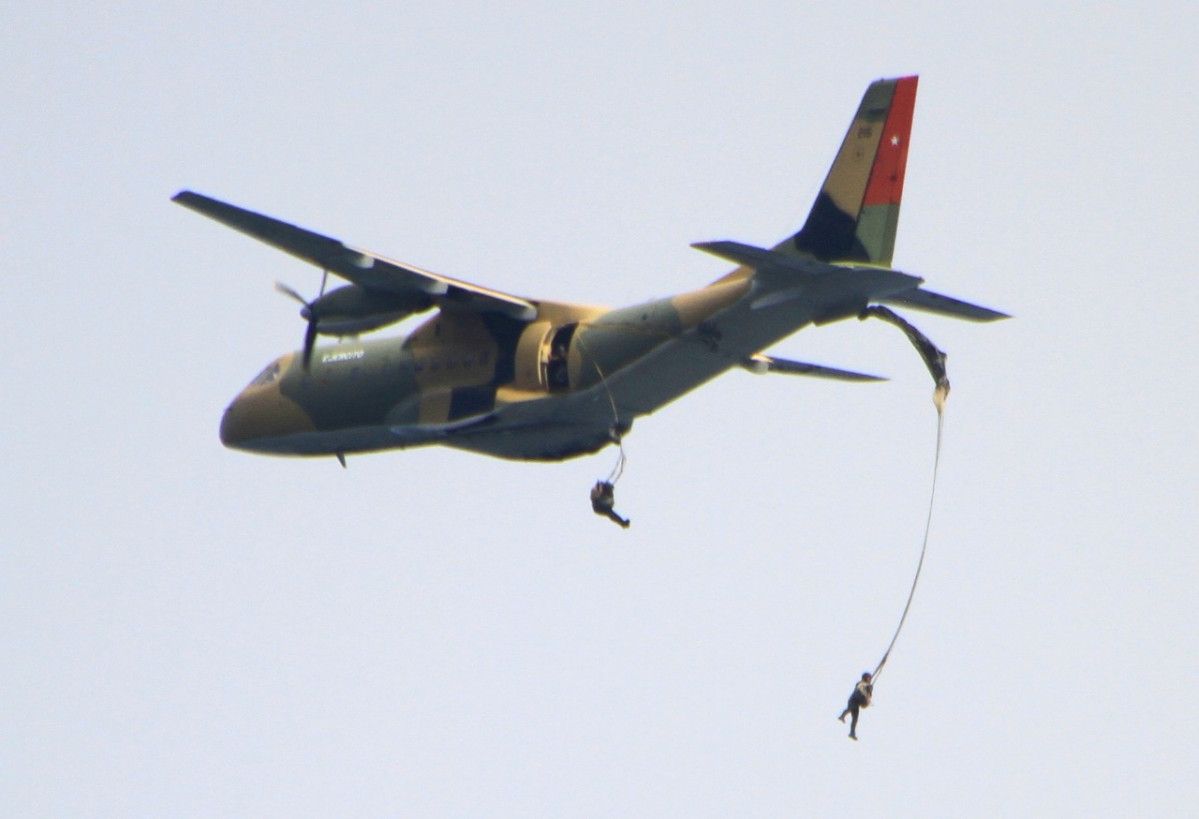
(886, 177)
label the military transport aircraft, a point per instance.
(529, 379)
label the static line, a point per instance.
(923, 547)
(935, 360)
(618, 469)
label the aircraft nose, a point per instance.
(236, 423)
(260, 414)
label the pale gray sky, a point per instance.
(190, 631)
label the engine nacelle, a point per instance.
(351, 309)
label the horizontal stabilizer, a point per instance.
(759, 257)
(761, 364)
(931, 302)
(831, 291)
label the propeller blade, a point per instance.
(309, 342)
(280, 287)
(309, 313)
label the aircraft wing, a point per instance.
(359, 267)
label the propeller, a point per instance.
(309, 312)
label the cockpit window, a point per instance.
(266, 376)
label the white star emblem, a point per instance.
(895, 141)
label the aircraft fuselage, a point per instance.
(520, 378)
(538, 390)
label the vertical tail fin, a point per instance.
(856, 215)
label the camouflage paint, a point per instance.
(540, 380)
(856, 214)
(618, 338)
